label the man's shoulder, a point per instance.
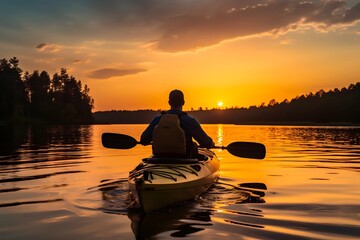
(183, 116)
(156, 119)
(188, 118)
(180, 114)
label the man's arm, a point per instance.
(146, 136)
(199, 135)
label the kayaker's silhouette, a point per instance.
(172, 132)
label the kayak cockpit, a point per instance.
(156, 160)
(203, 155)
(149, 172)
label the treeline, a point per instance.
(335, 107)
(38, 98)
(125, 116)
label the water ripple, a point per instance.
(35, 177)
(12, 204)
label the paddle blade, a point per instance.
(118, 141)
(247, 150)
(255, 185)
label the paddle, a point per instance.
(118, 141)
(260, 186)
(239, 149)
(245, 149)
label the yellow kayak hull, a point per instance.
(156, 184)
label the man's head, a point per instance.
(176, 98)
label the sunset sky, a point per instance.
(131, 53)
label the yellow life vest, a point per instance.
(169, 137)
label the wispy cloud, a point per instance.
(105, 73)
(48, 47)
(80, 61)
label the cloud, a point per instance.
(190, 32)
(41, 46)
(48, 47)
(106, 73)
(170, 26)
(80, 61)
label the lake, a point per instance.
(58, 182)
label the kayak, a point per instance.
(159, 182)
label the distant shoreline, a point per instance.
(289, 124)
(299, 124)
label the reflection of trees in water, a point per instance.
(60, 135)
(11, 138)
(181, 219)
(43, 137)
(40, 152)
(41, 147)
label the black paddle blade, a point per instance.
(118, 141)
(261, 186)
(247, 149)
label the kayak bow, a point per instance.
(160, 182)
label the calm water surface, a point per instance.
(60, 183)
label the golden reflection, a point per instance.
(220, 135)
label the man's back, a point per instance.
(169, 137)
(189, 124)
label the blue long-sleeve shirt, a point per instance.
(190, 126)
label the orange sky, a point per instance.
(242, 53)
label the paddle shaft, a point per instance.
(219, 147)
(239, 149)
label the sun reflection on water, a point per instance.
(220, 135)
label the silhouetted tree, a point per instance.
(12, 91)
(38, 87)
(70, 102)
(41, 99)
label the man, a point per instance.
(172, 131)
